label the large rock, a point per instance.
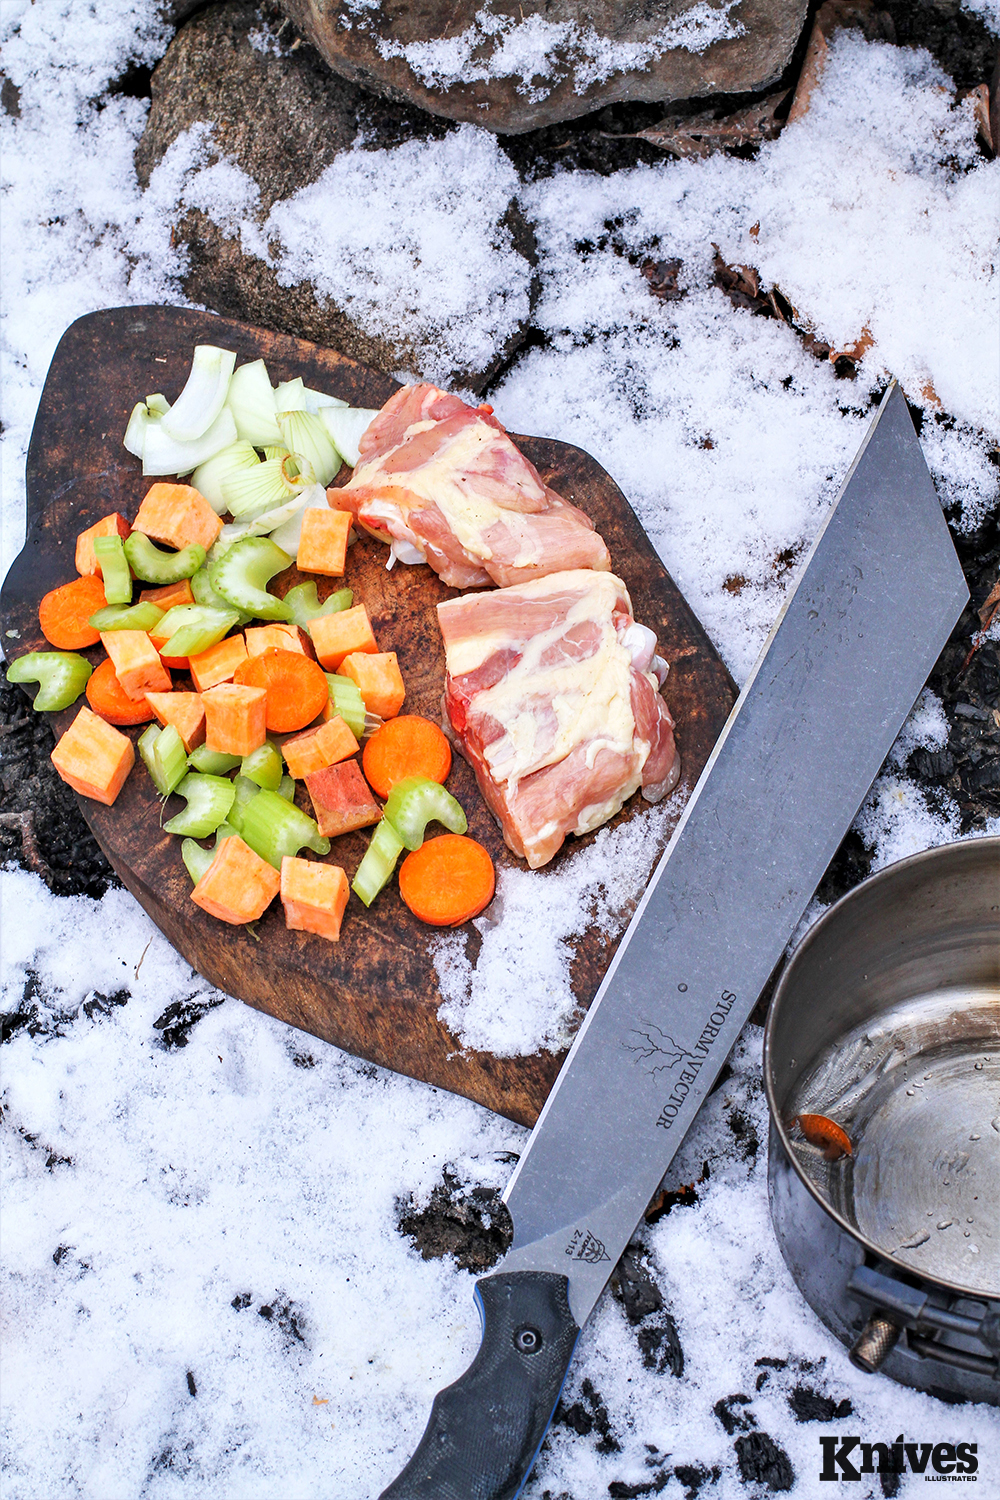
(514, 65)
(271, 120)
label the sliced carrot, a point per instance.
(109, 699)
(407, 746)
(296, 687)
(448, 880)
(820, 1130)
(167, 597)
(64, 614)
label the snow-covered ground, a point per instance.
(205, 1294)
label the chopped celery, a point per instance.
(153, 565)
(61, 677)
(348, 704)
(113, 562)
(378, 864)
(213, 762)
(273, 828)
(287, 789)
(189, 629)
(208, 798)
(196, 859)
(201, 588)
(417, 801)
(145, 616)
(303, 601)
(263, 766)
(245, 790)
(241, 573)
(162, 752)
(225, 831)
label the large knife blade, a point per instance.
(841, 669)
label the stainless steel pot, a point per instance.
(887, 1022)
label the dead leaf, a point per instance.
(702, 134)
(854, 352)
(989, 606)
(978, 100)
(662, 277)
(834, 16)
(929, 394)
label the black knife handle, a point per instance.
(485, 1430)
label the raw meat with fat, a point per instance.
(551, 695)
(442, 482)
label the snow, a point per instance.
(205, 1291)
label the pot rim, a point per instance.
(987, 843)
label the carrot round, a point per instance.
(64, 614)
(405, 746)
(109, 699)
(296, 687)
(820, 1130)
(448, 880)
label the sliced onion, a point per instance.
(290, 395)
(158, 405)
(163, 454)
(316, 399)
(204, 395)
(306, 437)
(250, 492)
(135, 433)
(271, 521)
(289, 534)
(346, 425)
(251, 401)
(207, 478)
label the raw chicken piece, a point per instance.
(443, 482)
(551, 691)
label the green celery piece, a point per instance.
(113, 561)
(242, 571)
(417, 801)
(144, 616)
(273, 828)
(225, 830)
(212, 762)
(153, 565)
(287, 789)
(162, 752)
(345, 695)
(201, 588)
(191, 628)
(303, 601)
(61, 677)
(196, 859)
(246, 790)
(208, 798)
(376, 868)
(263, 766)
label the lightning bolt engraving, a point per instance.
(654, 1043)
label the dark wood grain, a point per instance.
(375, 993)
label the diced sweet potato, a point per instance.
(167, 597)
(185, 711)
(177, 515)
(218, 663)
(342, 799)
(325, 746)
(235, 718)
(323, 544)
(379, 680)
(94, 758)
(336, 636)
(86, 557)
(314, 896)
(137, 663)
(261, 638)
(238, 885)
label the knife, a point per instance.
(852, 647)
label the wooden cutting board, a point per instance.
(375, 992)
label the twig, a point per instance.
(25, 823)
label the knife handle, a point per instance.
(486, 1429)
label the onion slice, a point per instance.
(204, 395)
(306, 437)
(289, 534)
(251, 401)
(207, 478)
(163, 454)
(346, 425)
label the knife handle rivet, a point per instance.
(527, 1340)
(682, 988)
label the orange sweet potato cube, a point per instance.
(323, 545)
(235, 718)
(86, 557)
(94, 757)
(177, 515)
(314, 896)
(137, 663)
(218, 663)
(342, 799)
(185, 711)
(261, 638)
(331, 742)
(379, 681)
(337, 636)
(238, 885)
(166, 598)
